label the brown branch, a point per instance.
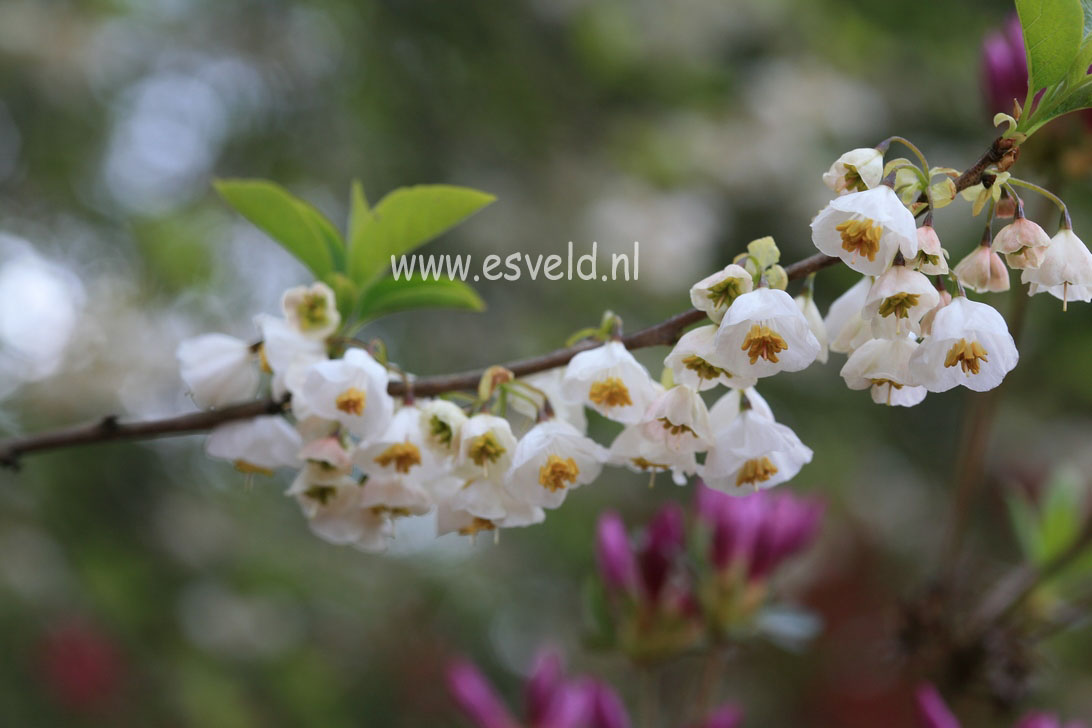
(109, 429)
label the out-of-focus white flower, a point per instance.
(1065, 271)
(549, 383)
(451, 519)
(609, 380)
(764, 333)
(753, 452)
(866, 229)
(983, 271)
(552, 459)
(855, 171)
(690, 361)
(256, 446)
(897, 301)
(286, 352)
(679, 419)
(399, 450)
(486, 448)
(633, 450)
(883, 366)
(714, 294)
(351, 390)
(969, 345)
(395, 496)
(845, 326)
(336, 514)
(443, 423)
(218, 369)
(931, 259)
(806, 302)
(328, 458)
(311, 310)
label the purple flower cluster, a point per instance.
(552, 700)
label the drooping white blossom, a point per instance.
(983, 271)
(550, 460)
(883, 366)
(931, 258)
(259, 445)
(609, 380)
(753, 452)
(486, 448)
(866, 229)
(897, 301)
(286, 352)
(762, 334)
(715, 293)
(218, 369)
(969, 345)
(351, 390)
(690, 363)
(335, 513)
(844, 323)
(1019, 234)
(311, 310)
(679, 420)
(855, 171)
(1065, 271)
(633, 450)
(399, 450)
(442, 421)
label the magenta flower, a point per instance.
(617, 566)
(934, 713)
(1004, 67)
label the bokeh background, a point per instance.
(144, 584)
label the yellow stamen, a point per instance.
(263, 361)
(643, 464)
(756, 470)
(967, 355)
(763, 342)
(722, 294)
(556, 473)
(703, 368)
(403, 456)
(320, 493)
(440, 431)
(898, 305)
(861, 237)
(676, 429)
(313, 312)
(611, 392)
(352, 401)
(485, 449)
(475, 526)
(250, 468)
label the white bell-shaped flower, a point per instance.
(486, 448)
(1019, 234)
(609, 380)
(927, 319)
(398, 497)
(1065, 271)
(897, 301)
(846, 327)
(866, 229)
(931, 259)
(855, 171)
(983, 271)
(806, 303)
(714, 294)
(969, 345)
(399, 450)
(258, 445)
(552, 459)
(336, 514)
(218, 369)
(311, 310)
(690, 363)
(883, 366)
(730, 404)
(633, 450)
(679, 420)
(351, 390)
(753, 452)
(442, 421)
(764, 333)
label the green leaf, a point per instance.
(1053, 30)
(388, 295)
(301, 229)
(403, 220)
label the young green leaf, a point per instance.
(1053, 30)
(388, 295)
(301, 229)
(403, 220)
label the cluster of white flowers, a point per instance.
(366, 459)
